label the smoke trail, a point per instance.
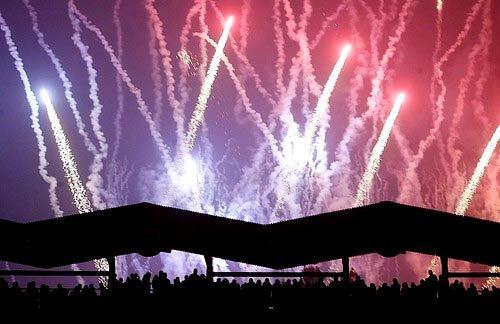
(374, 162)
(203, 45)
(246, 101)
(342, 159)
(62, 76)
(206, 88)
(463, 87)
(119, 84)
(35, 121)
(486, 40)
(250, 70)
(183, 39)
(411, 182)
(470, 189)
(70, 168)
(432, 96)
(178, 113)
(326, 23)
(95, 182)
(155, 74)
(323, 102)
(143, 108)
(280, 49)
(373, 100)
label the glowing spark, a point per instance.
(469, 191)
(378, 149)
(206, 88)
(439, 5)
(76, 187)
(324, 99)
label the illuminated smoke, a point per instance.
(35, 121)
(374, 162)
(166, 60)
(143, 108)
(155, 74)
(206, 87)
(411, 185)
(95, 183)
(470, 189)
(119, 84)
(463, 87)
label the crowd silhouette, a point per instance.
(197, 292)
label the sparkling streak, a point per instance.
(378, 149)
(76, 187)
(468, 193)
(324, 99)
(439, 5)
(206, 88)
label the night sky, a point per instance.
(235, 173)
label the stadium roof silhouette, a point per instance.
(385, 228)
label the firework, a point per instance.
(324, 99)
(374, 162)
(206, 87)
(471, 187)
(75, 184)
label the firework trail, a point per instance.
(324, 99)
(249, 69)
(62, 76)
(143, 108)
(411, 184)
(463, 87)
(134, 90)
(326, 23)
(342, 157)
(432, 94)
(157, 24)
(486, 40)
(202, 12)
(206, 88)
(280, 49)
(376, 93)
(155, 74)
(470, 189)
(70, 168)
(439, 5)
(183, 66)
(245, 100)
(95, 182)
(374, 162)
(119, 84)
(35, 121)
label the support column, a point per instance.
(444, 267)
(210, 268)
(112, 268)
(345, 270)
